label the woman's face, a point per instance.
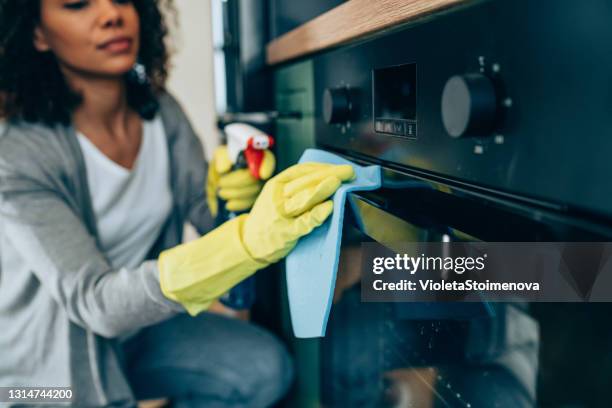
(95, 37)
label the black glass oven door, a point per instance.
(439, 354)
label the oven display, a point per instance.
(394, 90)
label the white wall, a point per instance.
(191, 76)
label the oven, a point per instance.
(492, 123)
(417, 354)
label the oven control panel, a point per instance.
(394, 100)
(486, 95)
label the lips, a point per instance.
(117, 44)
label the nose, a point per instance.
(109, 14)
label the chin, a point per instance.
(117, 67)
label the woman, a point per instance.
(99, 170)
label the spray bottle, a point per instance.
(245, 146)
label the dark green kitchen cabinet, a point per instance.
(294, 93)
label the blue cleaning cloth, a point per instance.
(312, 265)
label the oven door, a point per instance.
(449, 354)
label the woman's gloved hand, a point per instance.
(238, 188)
(290, 206)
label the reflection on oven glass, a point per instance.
(422, 354)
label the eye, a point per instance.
(76, 5)
(123, 1)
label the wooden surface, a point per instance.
(349, 21)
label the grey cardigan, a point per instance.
(62, 307)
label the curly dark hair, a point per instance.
(32, 87)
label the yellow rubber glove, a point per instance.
(290, 206)
(195, 274)
(238, 188)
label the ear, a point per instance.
(40, 40)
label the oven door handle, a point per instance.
(371, 218)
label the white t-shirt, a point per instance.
(131, 206)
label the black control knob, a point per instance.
(469, 105)
(336, 105)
